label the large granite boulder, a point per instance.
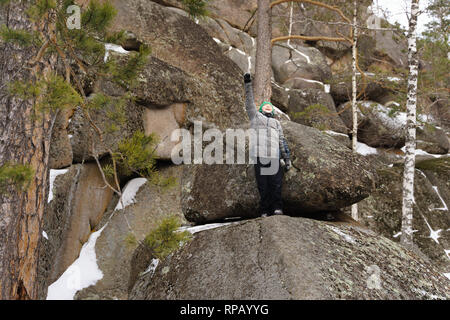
(315, 108)
(60, 147)
(236, 13)
(441, 110)
(432, 139)
(283, 257)
(383, 126)
(377, 125)
(371, 88)
(299, 67)
(187, 67)
(85, 140)
(181, 43)
(326, 176)
(310, 107)
(166, 98)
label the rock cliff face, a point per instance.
(381, 211)
(78, 203)
(114, 251)
(194, 73)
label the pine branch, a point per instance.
(40, 53)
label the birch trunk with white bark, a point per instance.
(354, 94)
(410, 145)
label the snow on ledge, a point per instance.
(334, 133)
(364, 149)
(444, 208)
(397, 234)
(346, 237)
(278, 111)
(308, 59)
(152, 266)
(53, 174)
(129, 192)
(420, 152)
(83, 273)
(204, 227)
(114, 48)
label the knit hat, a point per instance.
(263, 104)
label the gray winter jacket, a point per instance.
(270, 138)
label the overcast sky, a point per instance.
(397, 9)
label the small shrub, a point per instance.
(196, 8)
(440, 165)
(131, 240)
(136, 154)
(311, 112)
(165, 239)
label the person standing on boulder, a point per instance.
(270, 152)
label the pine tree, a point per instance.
(196, 8)
(433, 48)
(263, 65)
(24, 142)
(43, 62)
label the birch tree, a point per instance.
(354, 92)
(410, 145)
(262, 86)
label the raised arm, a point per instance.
(249, 100)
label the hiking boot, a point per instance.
(278, 212)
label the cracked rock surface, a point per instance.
(282, 257)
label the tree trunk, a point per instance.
(24, 139)
(354, 93)
(291, 17)
(410, 145)
(263, 68)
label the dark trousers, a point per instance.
(269, 187)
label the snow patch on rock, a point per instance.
(53, 174)
(152, 266)
(83, 272)
(346, 237)
(114, 48)
(364, 149)
(129, 192)
(204, 227)
(444, 208)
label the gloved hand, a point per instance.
(288, 164)
(247, 78)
